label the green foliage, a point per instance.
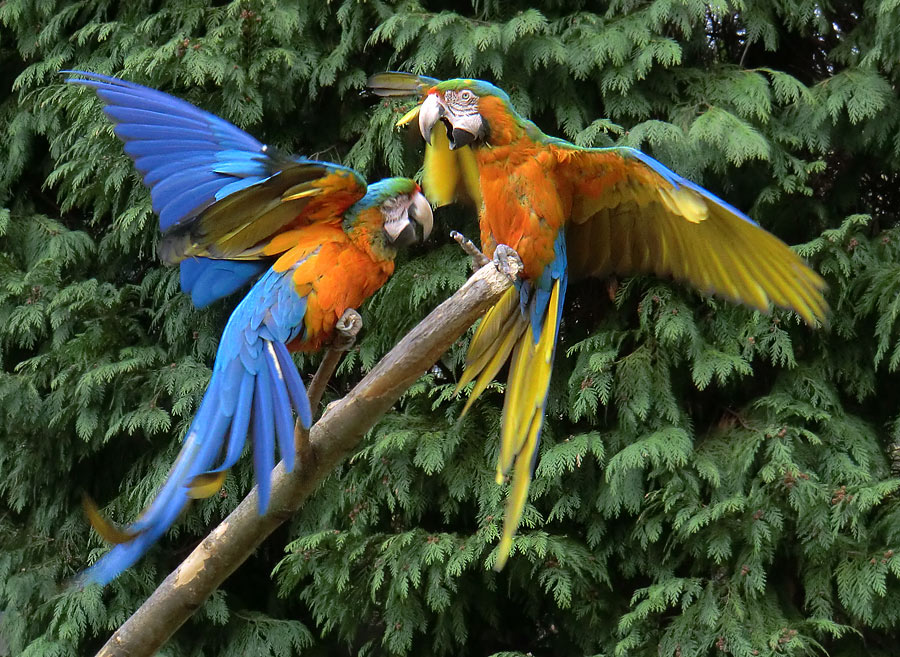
(711, 480)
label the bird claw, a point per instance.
(508, 261)
(478, 258)
(347, 328)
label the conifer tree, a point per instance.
(711, 480)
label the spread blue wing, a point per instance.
(220, 194)
(188, 157)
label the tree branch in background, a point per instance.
(331, 440)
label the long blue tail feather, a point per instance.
(284, 422)
(294, 383)
(254, 386)
(263, 441)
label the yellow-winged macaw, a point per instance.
(572, 211)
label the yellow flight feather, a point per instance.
(469, 168)
(726, 285)
(410, 116)
(753, 293)
(441, 169)
(206, 484)
(108, 531)
(722, 253)
(489, 370)
(288, 196)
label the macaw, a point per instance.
(572, 211)
(231, 209)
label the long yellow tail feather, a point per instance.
(493, 340)
(518, 494)
(512, 414)
(523, 416)
(505, 330)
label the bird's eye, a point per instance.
(466, 95)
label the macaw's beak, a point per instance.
(431, 111)
(403, 231)
(420, 212)
(462, 129)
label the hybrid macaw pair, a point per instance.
(571, 211)
(231, 210)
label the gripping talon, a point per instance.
(508, 261)
(347, 328)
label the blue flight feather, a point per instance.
(236, 186)
(187, 203)
(208, 280)
(263, 442)
(254, 383)
(161, 132)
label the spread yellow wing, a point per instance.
(633, 215)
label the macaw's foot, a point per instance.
(508, 261)
(347, 327)
(469, 247)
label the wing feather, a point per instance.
(633, 215)
(219, 193)
(240, 225)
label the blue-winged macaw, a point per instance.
(231, 209)
(572, 211)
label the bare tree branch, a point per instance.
(332, 439)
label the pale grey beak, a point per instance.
(429, 114)
(394, 229)
(420, 212)
(402, 232)
(462, 129)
